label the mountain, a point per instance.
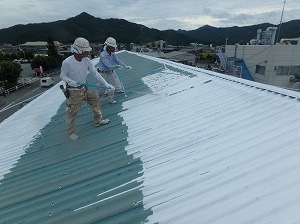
(217, 36)
(97, 30)
(94, 29)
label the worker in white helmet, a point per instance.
(108, 62)
(74, 71)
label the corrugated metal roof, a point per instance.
(178, 53)
(185, 146)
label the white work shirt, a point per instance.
(73, 70)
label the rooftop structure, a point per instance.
(265, 61)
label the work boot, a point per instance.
(102, 122)
(73, 137)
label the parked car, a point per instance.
(25, 81)
(20, 60)
(17, 61)
(46, 81)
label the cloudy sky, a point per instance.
(158, 14)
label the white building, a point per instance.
(38, 45)
(275, 64)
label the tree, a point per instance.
(9, 73)
(52, 61)
(48, 63)
(52, 51)
(13, 56)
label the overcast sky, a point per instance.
(158, 14)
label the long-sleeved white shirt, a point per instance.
(73, 70)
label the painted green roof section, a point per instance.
(92, 180)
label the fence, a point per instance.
(28, 81)
(20, 85)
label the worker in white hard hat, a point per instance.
(74, 71)
(108, 62)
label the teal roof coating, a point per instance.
(186, 145)
(92, 180)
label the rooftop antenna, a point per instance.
(280, 21)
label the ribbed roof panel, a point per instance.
(185, 146)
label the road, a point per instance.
(19, 98)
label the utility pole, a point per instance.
(280, 21)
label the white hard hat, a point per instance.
(111, 42)
(81, 45)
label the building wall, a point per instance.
(270, 56)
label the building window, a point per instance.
(288, 70)
(260, 69)
(282, 70)
(294, 70)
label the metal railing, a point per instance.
(20, 85)
(28, 81)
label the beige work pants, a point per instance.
(74, 103)
(113, 79)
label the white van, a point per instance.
(46, 81)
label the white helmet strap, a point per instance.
(76, 51)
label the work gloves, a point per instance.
(110, 87)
